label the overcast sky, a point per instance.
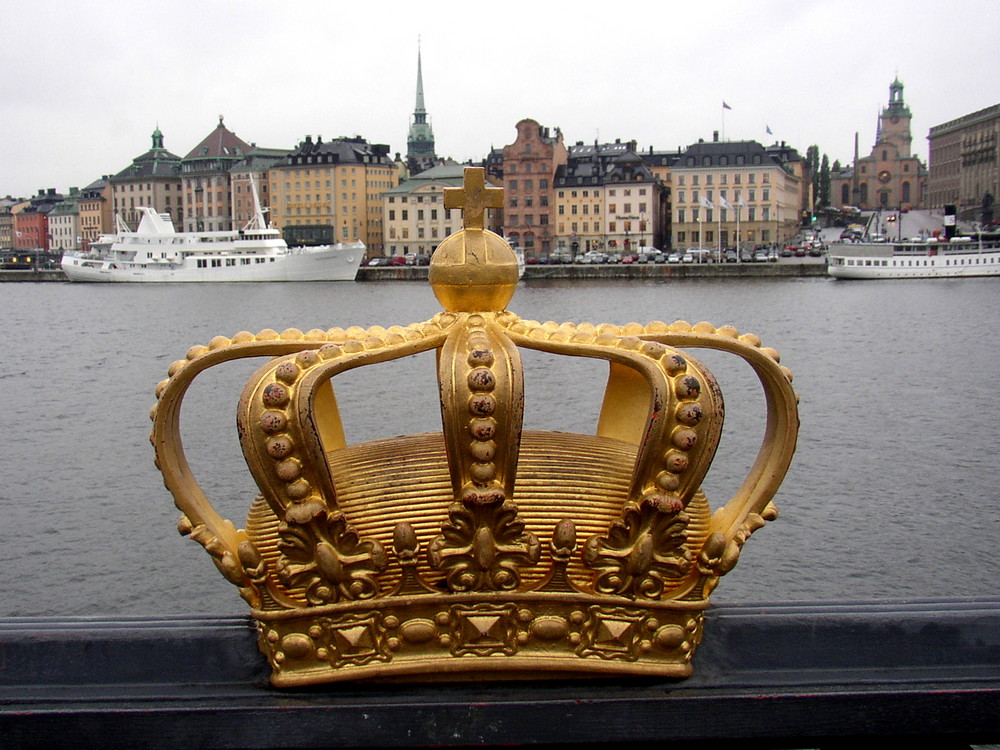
(84, 83)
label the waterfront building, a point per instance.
(249, 173)
(64, 223)
(7, 207)
(207, 200)
(607, 199)
(95, 211)
(765, 186)
(31, 222)
(529, 168)
(330, 191)
(153, 180)
(414, 215)
(963, 165)
(420, 154)
(890, 177)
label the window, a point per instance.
(562, 210)
(680, 215)
(766, 194)
(708, 179)
(680, 197)
(543, 184)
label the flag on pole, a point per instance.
(706, 202)
(768, 129)
(723, 203)
(741, 203)
(724, 105)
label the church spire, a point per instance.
(420, 142)
(419, 110)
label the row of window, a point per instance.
(527, 185)
(765, 178)
(749, 235)
(750, 215)
(724, 161)
(613, 226)
(765, 195)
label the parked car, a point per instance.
(687, 258)
(397, 260)
(731, 256)
(674, 258)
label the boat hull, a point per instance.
(336, 263)
(914, 266)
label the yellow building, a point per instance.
(414, 216)
(330, 191)
(607, 199)
(764, 187)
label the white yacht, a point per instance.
(155, 251)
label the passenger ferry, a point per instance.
(961, 256)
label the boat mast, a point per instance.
(120, 225)
(257, 222)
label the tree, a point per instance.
(812, 164)
(824, 181)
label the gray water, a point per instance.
(892, 494)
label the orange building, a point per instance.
(529, 170)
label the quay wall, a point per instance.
(618, 271)
(41, 274)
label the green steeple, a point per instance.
(157, 138)
(420, 142)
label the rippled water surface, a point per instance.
(893, 492)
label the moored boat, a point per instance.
(961, 256)
(156, 252)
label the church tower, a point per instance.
(894, 122)
(420, 141)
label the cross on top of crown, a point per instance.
(473, 197)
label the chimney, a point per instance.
(715, 136)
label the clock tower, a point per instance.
(894, 122)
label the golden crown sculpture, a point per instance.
(481, 548)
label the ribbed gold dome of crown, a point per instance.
(474, 270)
